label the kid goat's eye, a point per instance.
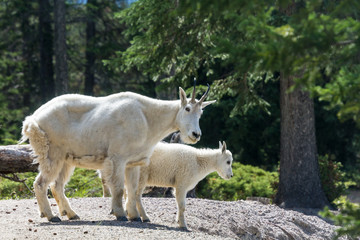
(228, 162)
(187, 109)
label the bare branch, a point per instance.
(15, 178)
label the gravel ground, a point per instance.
(207, 219)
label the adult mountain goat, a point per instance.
(181, 167)
(107, 133)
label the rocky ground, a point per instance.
(207, 219)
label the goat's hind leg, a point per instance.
(57, 188)
(41, 185)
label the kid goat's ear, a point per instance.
(182, 96)
(223, 147)
(220, 145)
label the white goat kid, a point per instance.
(105, 133)
(181, 167)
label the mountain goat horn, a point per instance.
(205, 94)
(194, 92)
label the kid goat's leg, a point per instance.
(180, 199)
(139, 204)
(105, 187)
(57, 188)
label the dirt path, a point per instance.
(19, 219)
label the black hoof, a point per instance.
(55, 219)
(121, 218)
(146, 220)
(136, 219)
(76, 217)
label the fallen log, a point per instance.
(16, 159)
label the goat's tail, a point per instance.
(38, 140)
(24, 130)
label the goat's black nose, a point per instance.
(196, 135)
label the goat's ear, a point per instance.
(220, 145)
(182, 96)
(207, 103)
(223, 149)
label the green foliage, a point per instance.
(15, 190)
(108, 39)
(331, 177)
(338, 139)
(20, 58)
(233, 43)
(83, 183)
(354, 177)
(17, 64)
(348, 219)
(343, 93)
(252, 137)
(239, 47)
(248, 181)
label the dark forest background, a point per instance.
(245, 51)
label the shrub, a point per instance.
(353, 176)
(348, 219)
(15, 190)
(83, 183)
(331, 177)
(248, 181)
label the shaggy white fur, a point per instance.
(107, 133)
(181, 167)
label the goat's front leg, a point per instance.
(115, 178)
(132, 180)
(181, 201)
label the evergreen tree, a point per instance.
(249, 42)
(47, 82)
(61, 69)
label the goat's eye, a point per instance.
(187, 109)
(228, 162)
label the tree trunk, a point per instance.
(16, 158)
(300, 184)
(89, 54)
(46, 51)
(61, 71)
(30, 70)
